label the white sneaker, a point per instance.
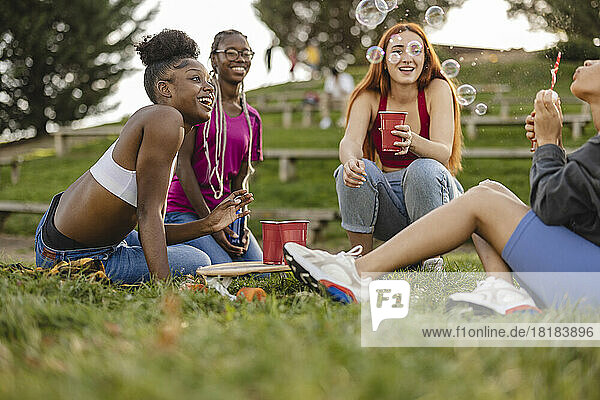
(435, 264)
(335, 273)
(497, 295)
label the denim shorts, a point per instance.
(389, 201)
(210, 246)
(123, 262)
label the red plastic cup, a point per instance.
(293, 231)
(389, 120)
(272, 246)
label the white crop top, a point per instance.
(114, 178)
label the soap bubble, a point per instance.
(414, 48)
(596, 41)
(450, 68)
(375, 54)
(434, 16)
(395, 38)
(394, 58)
(368, 14)
(480, 109)
(466, 94)
(386, 5)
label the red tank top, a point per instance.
(388, 159)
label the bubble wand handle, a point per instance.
(553, 72)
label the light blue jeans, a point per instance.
(123, 262)
(210, 246)
(389, 201)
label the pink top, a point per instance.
(236, 151)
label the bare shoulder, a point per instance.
(157, 125)
(158, 119)
(368, 97)
(366, 100)
(161, 115)
(438, 86)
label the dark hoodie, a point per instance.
(565, 190)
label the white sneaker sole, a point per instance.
(308, 274)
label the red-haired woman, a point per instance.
(380, 193)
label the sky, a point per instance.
(478, 23)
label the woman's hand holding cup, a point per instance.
(405, 134)
(354, 173)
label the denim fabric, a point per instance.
(210, 246)
(123, 262)
(389, 201)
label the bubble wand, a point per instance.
(553, 72)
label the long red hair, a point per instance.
(377, 80)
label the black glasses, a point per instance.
(233, 54)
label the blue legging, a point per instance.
(554, 263)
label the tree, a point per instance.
(60, 58)
(575, 20)
(333, 25)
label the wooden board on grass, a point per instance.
(241, 268)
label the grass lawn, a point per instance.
(67, 338)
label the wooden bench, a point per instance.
(287, 157)
(577, 122)
(287, 110)
(289, 102)
(15, 167)
(61, 138)
(8, 207)
(318, 217)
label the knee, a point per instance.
(371, 168)
(187, 259)
(481, 194)
(373, 172)
(492, 185)
(201, 258)
(426, 172)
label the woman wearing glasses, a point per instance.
(217, 159)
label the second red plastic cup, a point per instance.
(389, 120)
(277, 233)
(271, 238)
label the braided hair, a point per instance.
(221, 126)
(161, 52)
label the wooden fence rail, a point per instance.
(288, 157)
(318, 217)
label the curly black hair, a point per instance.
(164, 51)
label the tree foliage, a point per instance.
(331, 24)
(575, 20)
(60, 58)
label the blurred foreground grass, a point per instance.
(73, 339)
